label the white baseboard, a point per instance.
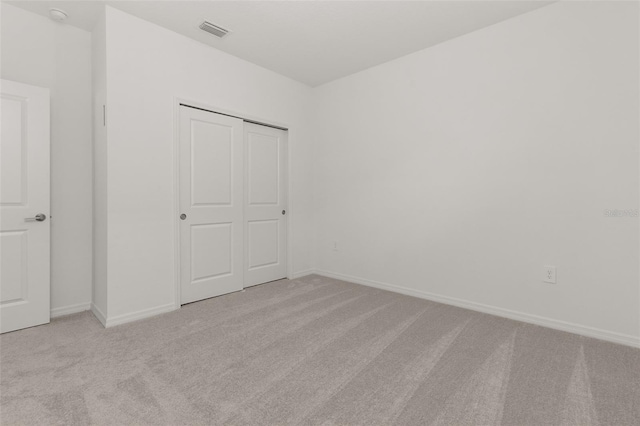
(301, 274)
(99, 314)
(597, 333)
(135, 316)
(70, 309)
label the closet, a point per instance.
(233, 203)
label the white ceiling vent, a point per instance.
(214, 29)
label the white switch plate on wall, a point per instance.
(549, 274)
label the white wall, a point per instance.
(459, 171)
(147, 67)
(99, 92)
(38, 51)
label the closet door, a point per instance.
(211, 204)
(265, 255)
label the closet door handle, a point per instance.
(40, 217)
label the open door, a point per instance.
(24, 206)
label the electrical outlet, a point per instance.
(549, 274)
(334, 246)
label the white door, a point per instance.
(24, 196)
(265, 204)
(211, 203)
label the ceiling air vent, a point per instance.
(213, 29)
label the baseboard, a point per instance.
(302, 274)
(596, 333)
(135, 316)
(99, 314)
(70, 309)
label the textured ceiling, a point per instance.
(313, 42)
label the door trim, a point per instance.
(177, 103)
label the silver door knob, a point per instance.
(183, 216)
(284, 212)
(40, 217)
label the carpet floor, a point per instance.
(314, 351)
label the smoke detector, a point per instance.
(214, 29)
(58, 15)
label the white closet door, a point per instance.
(24, 206)
(265, 195)
(211, 202)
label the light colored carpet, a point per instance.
(315, 351)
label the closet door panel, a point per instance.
(265, 204)
(211, 204)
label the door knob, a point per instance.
(284, 212)
(40, 217)
(183, 216)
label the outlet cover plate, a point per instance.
(549, 274)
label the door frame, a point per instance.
(177, 103)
